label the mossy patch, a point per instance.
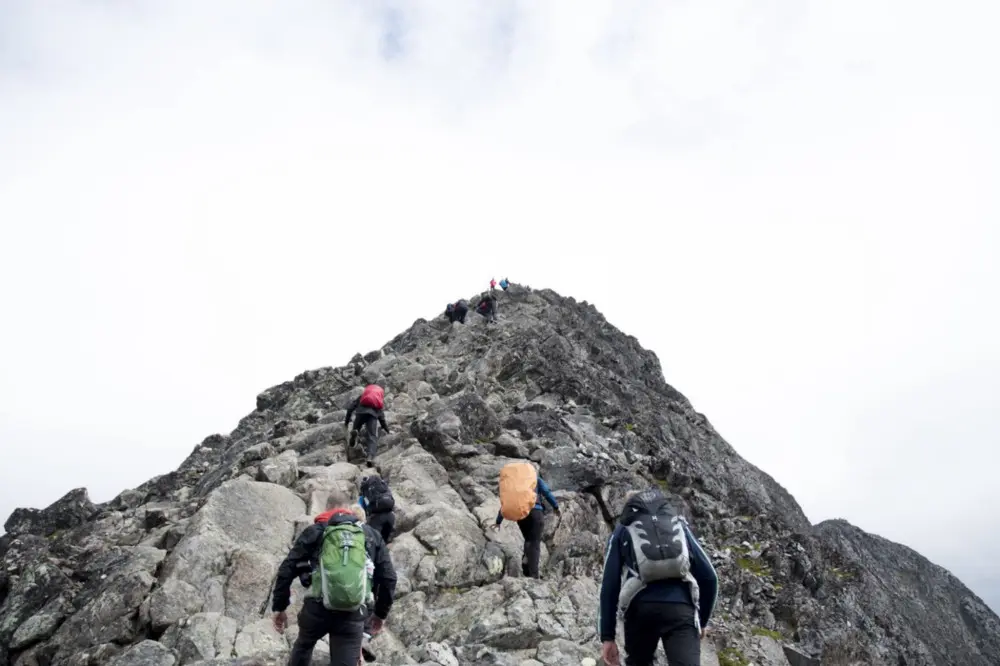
(753, 566)
(630, 427)
(843, 574)
(662, 483)
(732, 657)
(770, 633)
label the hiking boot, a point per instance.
(370, 462)
(354, 438)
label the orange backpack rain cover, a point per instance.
(518, 490)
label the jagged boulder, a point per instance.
(232, 547)
(146, 653)
(109, 615)
(37, 596)
(201, 637)
(73, 509)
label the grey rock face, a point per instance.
(179, 570)
(146, 653)
(71, 510)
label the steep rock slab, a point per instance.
(441, 526)
(37, 593)
(111, 615)
(146, 653)
(232, 548)
(878, 580)
(282, 470)
(203, 636)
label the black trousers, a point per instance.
(367, 425)
(346, 631)
(674, 624)
(383, 523)
(532, 527)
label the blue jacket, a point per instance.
(541, 491)
(620, 559)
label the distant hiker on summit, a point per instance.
(488, 307)
(456, 311)
(340, 551)
(368, 406)
(504, 283)
(493, 284)
(658, 576)
(521, 494)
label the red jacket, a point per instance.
(327, 515)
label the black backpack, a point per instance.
(376, 491)
(658, 538)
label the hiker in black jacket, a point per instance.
(488, 307)
(345, 628)
(368, 414)
(457, 311)
(376, 499)
(674, 605)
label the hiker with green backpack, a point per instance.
(352, 579)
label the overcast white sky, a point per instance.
(794, 203)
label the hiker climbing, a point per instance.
(493, 284)
(377, 501)
(657, 575)
(504, 283)
(366, 654)
(521, 495)
(487, 307)
(456, 311)
(340, 552)
(367, 409)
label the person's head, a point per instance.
(338, 499)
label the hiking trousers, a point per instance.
(367, 425)
(648, 623)
(383, 523)
(345, 629)
(532, 527)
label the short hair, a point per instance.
(337, 499)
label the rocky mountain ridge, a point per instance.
(178, 571)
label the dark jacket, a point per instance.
(487, 305)
(307, 549)
(542, 491)
(365, 410)
(620, 559)
(456, 311)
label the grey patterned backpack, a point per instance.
(658, 542)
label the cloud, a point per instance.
(792, 203)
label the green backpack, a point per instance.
(342, 581)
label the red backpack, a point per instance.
(373, 396)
